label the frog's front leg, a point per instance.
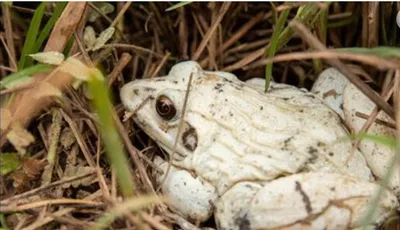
(188, 195)
(316, 200)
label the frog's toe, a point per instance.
(189, 196)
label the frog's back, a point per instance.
(261, 136)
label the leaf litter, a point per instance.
(75, 185)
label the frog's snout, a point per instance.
(130, 95)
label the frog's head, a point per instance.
(161, 102)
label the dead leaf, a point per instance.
(32, 167)
(50, 57)
(5, 116)
(73, 171)
(19, 137)
(46, 89)
(89, 37)
(103, 38)
(67, 138)
(76, 68)
(103, 7)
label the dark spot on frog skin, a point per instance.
(261, 108)
(243, 223)
(227, 80)
(309, 95)
(218, 86)
(238, 87)
(136, 92)
(160, 79)
(286, 142)
(175, 82)
(148, 89)
(306, 199)
(331, 154)
(152, 97)
(313, 152)
(189, 138)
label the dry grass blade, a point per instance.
(315, 43)
(79, 138)
(37, 204)
(43, 188)
(9, 32)
(371, 60)
(210, 32)
(241, 32)
(127, 206)
(134, 153)
(179, 132)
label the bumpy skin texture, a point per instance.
(234, 134)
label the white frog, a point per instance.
(255, 160)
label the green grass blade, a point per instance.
(10, 80)
(177, 5)
(273, 46)
(45, 32)
(382, 51)
(3, 222)
(322, 29)
(33, 30)
(383, 140)
(112, 142)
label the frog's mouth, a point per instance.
(187, 142)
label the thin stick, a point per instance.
(180, 128)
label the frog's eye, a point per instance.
(165, 107)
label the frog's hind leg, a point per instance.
(315, 200)
(330, 86)
(188, 195)
(231, 208)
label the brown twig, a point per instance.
(122, 62)
(79, 138)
